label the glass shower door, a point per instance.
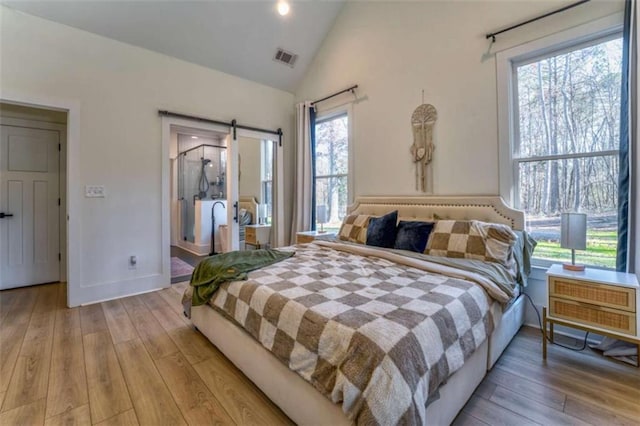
(189, 165)
(201, 176)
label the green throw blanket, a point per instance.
(232, 266)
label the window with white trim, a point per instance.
(332, 170)
(565, 121)
(266, 177)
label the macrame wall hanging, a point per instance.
(422, 121)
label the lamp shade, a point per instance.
(573, 231)
(321, 214)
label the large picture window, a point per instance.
(332, 170)
(566, 120)
(266, 177)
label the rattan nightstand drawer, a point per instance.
(596, 294)
(584, 313)
(303, 239)
(257, 235)
(250, 235)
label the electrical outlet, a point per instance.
(133, 262)
(94, 191)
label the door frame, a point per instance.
(167, 122)
(69, 189)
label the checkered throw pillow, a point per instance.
(354, 228)
(472, 239)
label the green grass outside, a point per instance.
(601, 250)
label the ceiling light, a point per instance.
(283, 8)
(194, 137)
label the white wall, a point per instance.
(118, 89)
(394, 50)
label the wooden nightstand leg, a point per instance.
(544, 332)
(551, 331)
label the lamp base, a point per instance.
(572, 267)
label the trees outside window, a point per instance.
(565, 150)
(266, 177)
(332, 169)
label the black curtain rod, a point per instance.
(492, 36)
(350, 89)
(232, 124)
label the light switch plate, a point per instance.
(94, 191)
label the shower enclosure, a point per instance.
(201, 181)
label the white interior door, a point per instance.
(29, 206)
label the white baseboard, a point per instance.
(100, 292)
(120, 297)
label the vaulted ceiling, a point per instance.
(237, 37)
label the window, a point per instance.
(564, 158)
(332, 170)
(266, 177)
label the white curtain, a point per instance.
(634, 151)
(302, 183)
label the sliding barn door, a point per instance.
(233, 198)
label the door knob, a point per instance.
(3, 215)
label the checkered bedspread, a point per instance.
(373, 335)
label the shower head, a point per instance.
(205, 161)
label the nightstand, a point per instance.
(257, 235)
(594, 300)
(308, 236)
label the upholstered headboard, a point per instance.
(479, 207)
(251, 205)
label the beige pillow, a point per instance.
(354, 228)
(472, 239)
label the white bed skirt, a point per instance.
(299, 399)
(507, 324)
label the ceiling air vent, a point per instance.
(285, 57)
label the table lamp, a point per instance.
(573, 235)
(321, 217)
(262, 214)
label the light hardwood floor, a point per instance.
(139, 361)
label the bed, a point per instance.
(305, 403)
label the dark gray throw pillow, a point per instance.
(381, 231)
(413, 236)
